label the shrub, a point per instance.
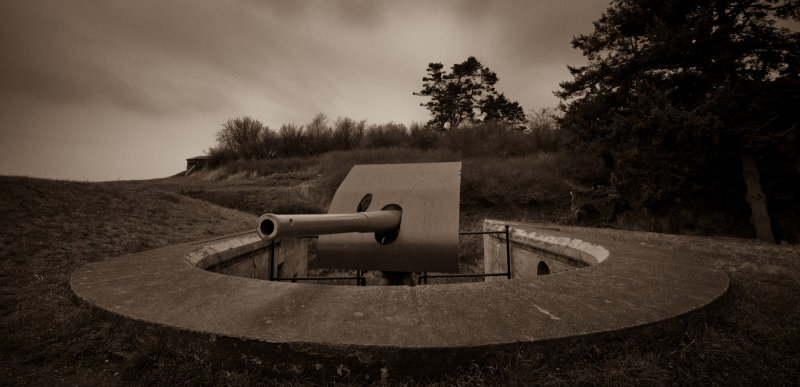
(318, 136)
(220, 156)
(269, 144)
(242, 136)
(422, 137)
(347, 133)
(547, 140)
(292, 141)
(488, 140)
(528, 184)
(386, 135)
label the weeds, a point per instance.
(267, 167)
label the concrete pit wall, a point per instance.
(249, 257)
(534, 254)
(319, 330)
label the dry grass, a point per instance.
(535, 187)
(47, 230)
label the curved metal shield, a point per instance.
(428, 195)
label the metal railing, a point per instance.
(361, 280)
(425, 276)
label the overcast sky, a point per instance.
(106, 90)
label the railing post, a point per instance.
(508, 253)
(272, 261)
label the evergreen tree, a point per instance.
(691, 98)
(466, 94)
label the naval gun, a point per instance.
(387, 217)
(274, 226)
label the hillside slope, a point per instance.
(49, 228)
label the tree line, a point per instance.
(249, 139)
(465, 106)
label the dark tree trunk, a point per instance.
(759, 217)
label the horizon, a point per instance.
(128, 91)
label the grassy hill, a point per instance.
(560, 187)
(542, 186)
(49, 228)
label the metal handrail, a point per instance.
(507, 273)
(361, 280)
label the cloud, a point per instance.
(139, 70)
(136, 55)
(168, 57)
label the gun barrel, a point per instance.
(272, 226)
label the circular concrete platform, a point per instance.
(266, 322)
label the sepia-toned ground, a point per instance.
(49, 228)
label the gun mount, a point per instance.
(273, 226)
(415, 228)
